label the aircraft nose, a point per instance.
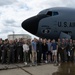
(31, 24)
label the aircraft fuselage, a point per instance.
(49, 23)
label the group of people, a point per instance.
(36, 51)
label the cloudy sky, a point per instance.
(13, 12)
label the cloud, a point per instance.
(5, 31)
(14, 12)
(6, 2)
(9, 21)
(69, 3)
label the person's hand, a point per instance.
(37, 50)
(47, 52)
(62, 48)
(27, 51)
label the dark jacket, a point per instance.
(44, 47)
(39, 46)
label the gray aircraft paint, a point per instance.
(61, 22)
(52, 26)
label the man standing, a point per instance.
(39, 50)
(54, 51)
(63, 47)
(49, 51)
(1, 47)
(20, 49)
(30, 50)
(11, 57)
(34, 53)
(59, 51)
(72, 47)
(4, 51)
(66, 51)
(16, 50)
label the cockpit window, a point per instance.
(55, 13)
(51, 13)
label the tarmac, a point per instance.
(21, 69)
(67, 68)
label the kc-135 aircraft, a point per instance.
(52, 23)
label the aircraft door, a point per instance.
(65, 34)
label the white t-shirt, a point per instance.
(25, 47)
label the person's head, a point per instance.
(15, 40)
(49, 40)
(59, 40)
(40, 39)
(0, 41)
(29, 40)
(25, 42)
(44, 40)
(6, 41)
(35, 40)
(63, 40)
(32, 41)
(53, 41)
(73, 41)
(67, 40)
(70, 40)
(10, 41)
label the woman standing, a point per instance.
(25, 51)
(44, 50)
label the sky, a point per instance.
(14, 12)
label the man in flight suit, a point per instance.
(4, 51)
(1, 47)
(11, 52)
